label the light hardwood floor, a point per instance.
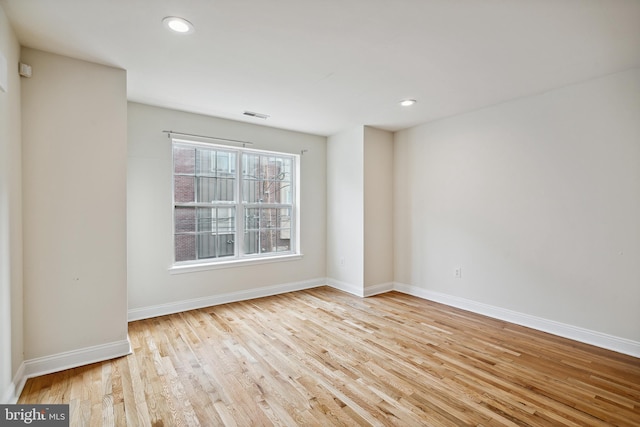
(322, 357)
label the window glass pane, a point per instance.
(251, 166)
(184, 160)
(284, 218)
(251, 242)
(268, 218)
(286, 169)
(225, 163)
(226, 245)
(270, 168)
(267, 179)
(225, 221)
(185, 219)
(205, 162)
(274, 225)
(183, 189)
(251, 219)
(206, 219)
(284, 245)
(282, 192)
(284, 223)
(251, 178)
(215, 189)
(250, 191)
(216, 227)
(185, 247)
(212, 245)
(225, 189)
(268, 192)
(206, 189)
(206, 245)
(268, 242)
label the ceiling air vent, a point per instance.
(257, 115)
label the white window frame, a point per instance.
(239, 258)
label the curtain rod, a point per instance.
(236, 141)
(171, 132)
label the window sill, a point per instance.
(191, 268)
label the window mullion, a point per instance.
(196, 184)
(216, 240)
(239, 247)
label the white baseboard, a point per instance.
(380, 288)
(67, 360)
(368, 291)
(346, 287)
(598, 339)
(12, 392)
(192, 304)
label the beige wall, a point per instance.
(359, 209)
(149, 210)
(345, 209)
(378, 207)
(11, 343)
(74, 192)
(538, 200)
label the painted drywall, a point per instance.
(74, 192)
(537, 200)
(149, 209)
(378, 207)
(345, 209)
(360, 209)
(11, 343)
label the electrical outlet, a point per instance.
(458, 272)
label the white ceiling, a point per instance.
(326, 65)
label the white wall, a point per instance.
(378, 207)
(360, 210)
(149, 210)
(345, 209)
(11, 344)
(74, 190)
(538, 200)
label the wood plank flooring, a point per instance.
(322, 357)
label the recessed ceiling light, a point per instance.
(407, 102)
(179, 25)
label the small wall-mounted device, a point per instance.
(24, 69)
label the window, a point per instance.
(232, 203)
